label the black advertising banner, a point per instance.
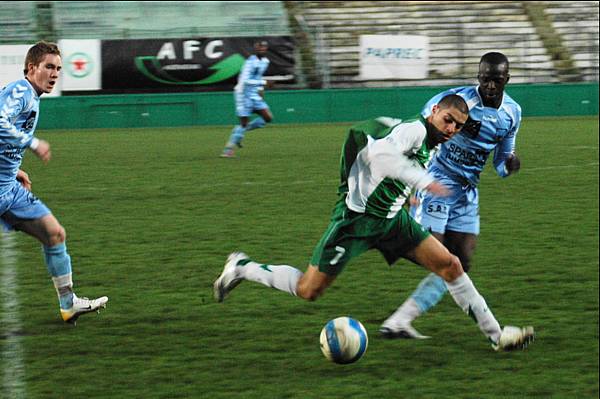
(194, 64)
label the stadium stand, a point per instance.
(18, 22)
(459, 32)
(576, 23)
(327, 32)
(151, 19)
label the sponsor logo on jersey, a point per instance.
(437, 209)
(456, 153)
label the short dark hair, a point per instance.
(454, 101)
(36, 53)
(494, 58)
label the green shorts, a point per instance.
(349, 234)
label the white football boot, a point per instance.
(82, 306)
(514, 338)
(229, 278)
(405, 330)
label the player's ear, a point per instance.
(507, 77)
(30, 67)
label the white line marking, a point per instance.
(580, 165)
(11, 355)
(331, 180)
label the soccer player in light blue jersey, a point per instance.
(493, 123)
(249, 98)
(380, 164)
(19, 208)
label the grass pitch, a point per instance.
(151, 215)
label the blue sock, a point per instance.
(58, 263)
(429, 292)
(237, 134)
(256, 124)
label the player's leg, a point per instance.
(29, 215)
(243, 110)
(432, 213)
(313, 283)
(431, 289)
(52, 235)
(330, 255)
(261, 108)
(454, 221)
(240, 267)
(235, 138)
(264, 117)
(462, 245)
(427, 294)
(437, 214)
(435, 257)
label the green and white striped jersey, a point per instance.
(382, 161)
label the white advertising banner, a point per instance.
(12, 63)
(394, 57)
(82, 64)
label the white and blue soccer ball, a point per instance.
(344, 340)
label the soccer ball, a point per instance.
(344, 340)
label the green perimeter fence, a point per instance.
(293, 106)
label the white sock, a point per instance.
(405, 314)
(64, 289)
(472, 303)
(282, 277)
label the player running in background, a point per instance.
(380, 164)
(248, 94)
(19, 208)
(494, 120)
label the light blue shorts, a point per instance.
(21, 204)
(458, 212)
(246, 105)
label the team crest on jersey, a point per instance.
(471, 128)
(30, 122)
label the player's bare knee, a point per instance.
(56, 235)
(310, 294)
(451, 269)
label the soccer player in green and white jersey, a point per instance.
(379, 168)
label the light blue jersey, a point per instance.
(464, 156)
(458, 166)
(250, 82)
(460, 160)
(19, 111)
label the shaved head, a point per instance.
(493, 76)
(494, 58)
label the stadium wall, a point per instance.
(293, 106)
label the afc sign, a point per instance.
(212, 50)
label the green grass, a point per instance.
(151, 215)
